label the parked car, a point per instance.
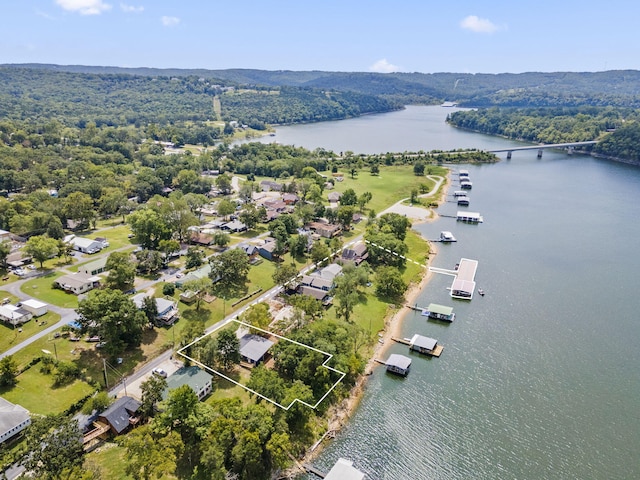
(160, 372)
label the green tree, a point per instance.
(249, 216)
(389, 283)
(41, 248)
(266, 382)
(114, 317)
(320, 253)
(8, 371)
(201, 287)
(152, 390)
(55, 444)
(149, 456)
(78, 206)
(228, 353)
(194, 257)
(418, 168)
(54, 228)
(149, 227)
(298, 246)
(221, 239)
(257, 315)
(150, 309)
(5, 250)
(223, 182)
(349, 197)
(112, 201)
(225, 208)
(149, 261)
(229, 271)
(122, 271)
(386, 249)
(347, 291)
(345, 216)
(99, 402)
(284, 273)
(395, 224)
(168, 247)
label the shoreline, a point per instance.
(340, 414)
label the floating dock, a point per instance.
(464, 284)
(470, 217)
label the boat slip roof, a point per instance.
(423, 342)
(465, 278)
(440, 309)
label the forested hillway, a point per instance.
(608, 88)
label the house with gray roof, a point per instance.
(13, 419)
(167, 309)
(253, 348)
(398, 364)
(121, 414)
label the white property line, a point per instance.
(220, 374)
(394, 253)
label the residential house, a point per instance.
(103, 241)
(201, 272)
(355, 254)
(267, 249)
(121, 415)
(18, 259)
(94, 268)
(290, 198)
(5, 236)
(234, 226)
(14, 315)
(13, 419)
(35, 307)
(199, 381)
(77, 283)
(84, 245)
(199, 238)
(334, 197)
(167, 309)
(271, 186)
(249, 249)
(319, 284)
(326, 230)
(254, 348)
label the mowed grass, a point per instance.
(34, 392)
(108, 462)
(10, 336)
(392, 185)
(42, 289)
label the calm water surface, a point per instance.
(539, 378)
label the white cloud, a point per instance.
(131, 8)
(478, 25)
(84, 7)
(382, 66)
(42, 14)
(170, 21)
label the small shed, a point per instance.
(94, 268)
(398, 364)
(36, 307)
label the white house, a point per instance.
(36, 307)
(84, 245)
(13, 419)
(14, 315)
(77, 282)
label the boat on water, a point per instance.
(481, 292)
(447, 237)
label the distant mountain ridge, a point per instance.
(608, 88)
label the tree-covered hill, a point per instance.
(74, 98)
(610, 88)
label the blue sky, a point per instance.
(491, 36)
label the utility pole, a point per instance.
(104, 364)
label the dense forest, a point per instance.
(619, 88)
(617, 128)
(122, 99)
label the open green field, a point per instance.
(34, 392)
(108, 462)
(392, 185)
(10, 336)
(41, 288)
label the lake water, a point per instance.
(539, 378)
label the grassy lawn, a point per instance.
(41, 289)
(10, 336)
(35, 393)
(108, 462)
(392, 185)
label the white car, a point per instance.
(160, 372)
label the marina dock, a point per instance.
(464, 284)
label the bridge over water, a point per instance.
(569, 146)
